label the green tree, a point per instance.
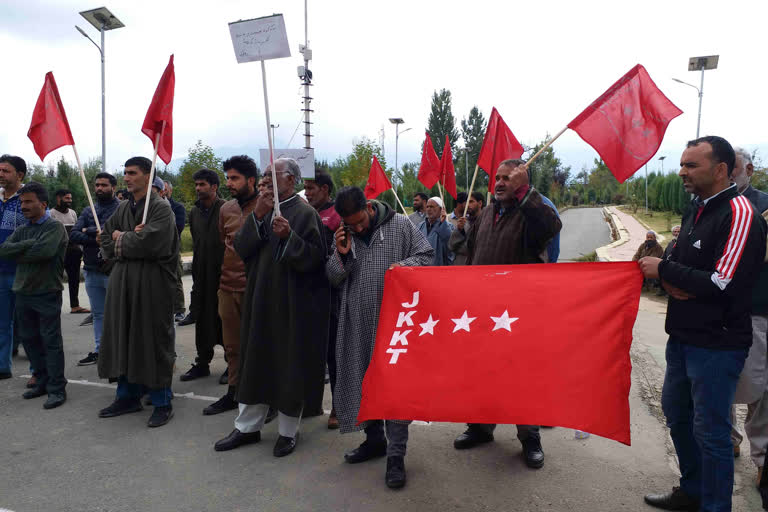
(441, 122)
(200, 156)
(472, 131)
(547, 170)
(354, 168)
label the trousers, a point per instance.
(252, 417)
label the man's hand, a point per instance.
(138, 228)
(264, 204)
(394, 265)
(461, 223)
(676, 292)
(116, 234)
(518, 178)
(281, 227)
(343, 241)
(98, 238)
(650, 267)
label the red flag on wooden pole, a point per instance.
(161, 111)
(499, 144)
(447, 171)
(429, 170)
(49, 129)
(378, 181)
(627, 123)
(500, 358)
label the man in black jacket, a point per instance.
(709, 278)
(180, 214)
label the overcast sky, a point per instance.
(538, 63)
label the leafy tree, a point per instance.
(545, 168)
(441, 122)
(200, 156)
(354, 168)
(472, 131)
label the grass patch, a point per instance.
(186, 242)
(592, 256)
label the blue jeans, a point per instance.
(7, 305)
(130, 391)
(96, 288)
(699, 386)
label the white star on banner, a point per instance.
(463, 322)
(503, 321)
(428, 327)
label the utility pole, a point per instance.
(306, 76)
(273, 126)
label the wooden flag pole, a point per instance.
(87, 190)
(534, 157)
(269, 138)
(152, 174)
(398, 201)
(471, 187)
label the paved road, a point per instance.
(67, 459)
(584, 230)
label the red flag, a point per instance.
(499, 144)
(429, 170)
(49, 129)
(447, 172)
(377, 180)
(627, 123)
(161, 110)
(500, 358)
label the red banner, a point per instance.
(447, 172)
(530, 345)
(49, 128)
(429, 170)
(499, 144)
(159, 118)
(377, 181)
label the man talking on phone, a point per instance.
(371, 240)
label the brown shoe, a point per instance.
(79, 310)
(736, 451)
(32, 382)
(333, 421)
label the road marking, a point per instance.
(5, 510)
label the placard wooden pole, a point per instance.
(471, 187)
(87, 190)
(158, 137)
(271, 146)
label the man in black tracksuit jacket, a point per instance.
(709, 278)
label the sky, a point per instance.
(539, 63)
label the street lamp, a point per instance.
(696, 64)
(662, 163)
(273, 126)
(102, 20)
(397, 121)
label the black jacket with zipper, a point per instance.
(717, 259)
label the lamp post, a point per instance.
(273, 126)
(397, 121)
(661, 158)
(700, 64)
(102, 20)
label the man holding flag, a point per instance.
(137, 346)
(514, 230)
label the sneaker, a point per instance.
(187, 320)
(160, 416)
(178, 317)
(87, 321)
(120, 407)
(91, 358)
(223, 404)
(197, 371)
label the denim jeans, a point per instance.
(130, 391)
(7, 304)
(96, 288)
(699, 386)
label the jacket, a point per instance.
(231, 218)
(10, 219)
(759, 200)
(179, 213)
(717, 259)
(92, 260)
(438, 237)
(656, 251)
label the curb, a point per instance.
(616, 227)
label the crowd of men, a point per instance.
(290, 295)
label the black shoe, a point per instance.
(187, 320)
(34, 392)
(198, 370)
(160, 416)
(91, 358)
(87, 321)
(55, 400)
(675, 500)
(224, 379)
(366, 451)
(395, 476)
(178, 317)
(5, 375)
(235, 439)
(471, 438)
(15, 351)
(223, 404)
(534, 455)
(271, 415)
(120, 407)
(285, 445)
